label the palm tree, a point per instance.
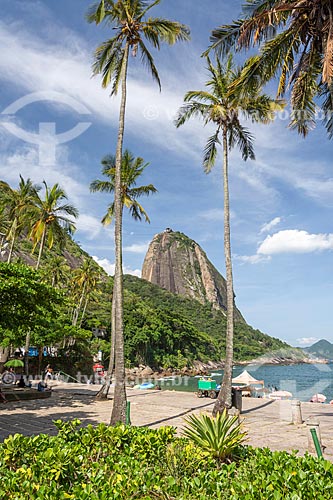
(85, 278)
(52, 220)
(57, 271)
(128, 20)
(18, 205)
(131, 169)
(296, 41)
(222, 105)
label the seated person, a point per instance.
(21, 382)
(42, 386)
(2, 397)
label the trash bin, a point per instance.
(236, 399)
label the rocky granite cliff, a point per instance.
(178, 264)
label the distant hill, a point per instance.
(178, 264)
(321, 349)
(162, 328)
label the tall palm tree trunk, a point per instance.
(78, 308)
(41, 247)
(119, 403)
(224, 398)
(26, 354)
(84, 310)
(11, 248)
(105, 389)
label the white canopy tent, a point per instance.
(246, 379)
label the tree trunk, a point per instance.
(41, 247)
(11, 248)
(78, 309)
(4, 353)
(84, 310)
(105, 389)
(224, 398)
(119, 402)
(26, 354)
(40, 357)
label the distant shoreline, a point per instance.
(206, 368)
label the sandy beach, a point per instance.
(268, 423)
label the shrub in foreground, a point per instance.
(219, 436)
(106, 463)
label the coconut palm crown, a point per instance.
(52, 219)
(18, 206)
(222, 105)
(296, 42)
(131, 169)
(128, 19)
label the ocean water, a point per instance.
(303, 380)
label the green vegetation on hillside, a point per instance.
(162, 330)
(249, 343)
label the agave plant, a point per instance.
(219, 436)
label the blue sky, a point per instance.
(282, 203)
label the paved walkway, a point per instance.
(268, 423)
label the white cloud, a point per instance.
(90, 225)
(314, 179)
(254, 179)
(215, 214)
(137, 248)
(59, 67)
(288, 241)
(252, 259)
(307, 340)
(267, 227)
(109, 267)
(25, 162)
(295, 241)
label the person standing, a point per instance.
(48, 373)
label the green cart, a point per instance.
(208, 388)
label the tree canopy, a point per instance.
(26, 303)
(296, 46)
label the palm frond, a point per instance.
(101, 186)
(145, 8)
(142, 191)
(305, 88)
(189, 110)
(224, 38)
(119, 72)
(137, 211)
(210, 151)
(327, 108)
(147, 59)
(241, 136)
(167, 31)
(201, 95)
(108, 59)
(108, 217)
(104, 10)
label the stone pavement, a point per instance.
(268, 423)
